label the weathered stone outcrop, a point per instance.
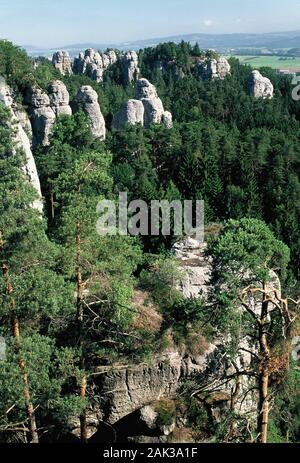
(41, 115)
(153, 106)
(259, 86)
(79, 64)
(214, 68)
(22, 142)
(145, 90)
(129, 389)
(93, 63)
(194, 284)
(130, 67)
(197, 268)
(132, 113)
(126, 391)
(43, 109)
(129, 394)
(147, 109)
(24, 120)
(167, 119)
(59, 98)
(87, 100)
(62, 61)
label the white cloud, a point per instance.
(208, 22)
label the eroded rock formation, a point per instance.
(197, 268)
(130, 67)
(22, 142)
(24, 120)
(167, 119)
(62, 61)
(87, 100)
(59, 98)
(93, 63)
(259, 86)
(129, 393)
(112, 57)
(41, 115)
(147, 109)
(132, 113)
(79, 64)
(43, 109)
(214, 68)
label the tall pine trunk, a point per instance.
(15, 325)
(52, 204)
(264, 406)
(80, 318)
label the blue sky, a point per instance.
(62, 22)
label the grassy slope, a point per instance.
(271, 61)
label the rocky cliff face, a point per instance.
(259, 86)
(132, 113)
(129, 393)
(197, 268)
(125, 391)
(147, 109)
(24, 120)
(130, 67)
(59, 98)
(22, 142)
(214, 68)
(87, 100)
(43, 109)
(41, 115)
(93, 63)
(130, 389)
(62, 61)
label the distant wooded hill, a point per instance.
(220, 42)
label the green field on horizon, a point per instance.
(275, 62)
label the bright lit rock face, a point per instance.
(132, 113)
(43, 108)
(130, 67)
(214, 68)
(196, 268)
(146, 109)
(259, 86)
(41, 115)
(87, 100)
(22, 142)
(94, 64)
(62, 61)
(59, 98)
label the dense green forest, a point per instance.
(239, 154)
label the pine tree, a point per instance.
(27, 260)
(250, 250)
(100, 267)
